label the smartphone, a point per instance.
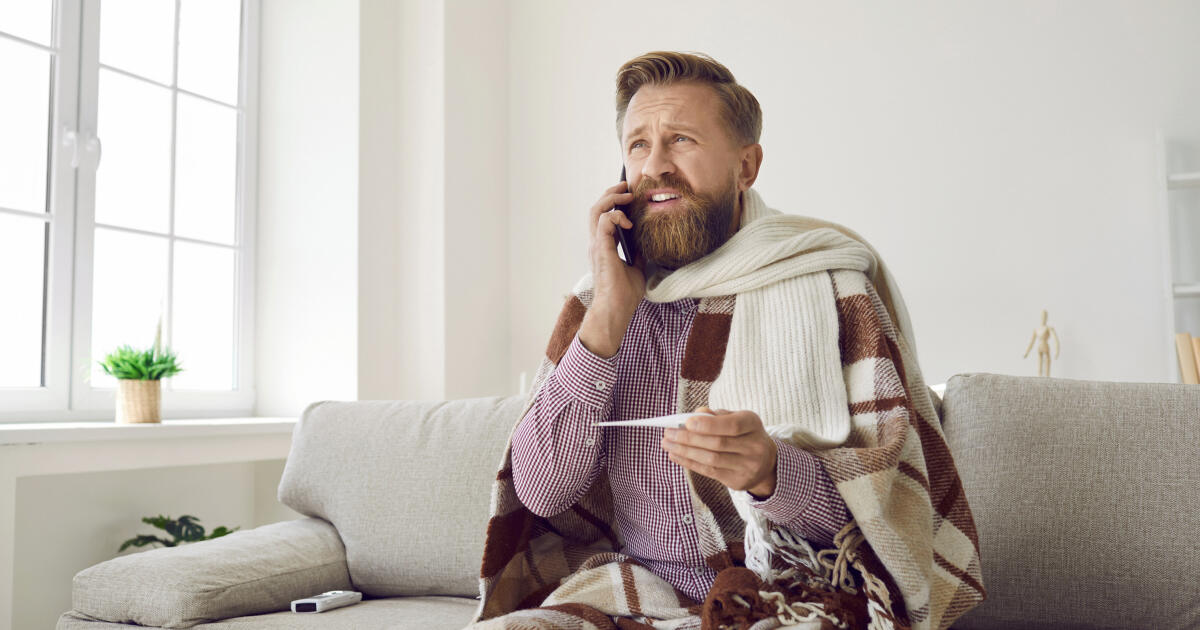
(625, 238)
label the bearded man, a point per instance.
(813, 486)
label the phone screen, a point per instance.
(625, 241)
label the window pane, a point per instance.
(205, 170)
(138, 36)
(209, 42)
(24, 125)
(133, 183)
(28, 19)
(203, 310)
(129, 289)
(22, 277)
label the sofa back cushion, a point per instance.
(1085, 498)
(407, 484)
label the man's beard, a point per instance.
(675, 237)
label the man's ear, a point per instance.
(751, 157)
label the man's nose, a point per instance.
(657, 163)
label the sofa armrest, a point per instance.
(243, 573)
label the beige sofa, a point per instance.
(1085, 495)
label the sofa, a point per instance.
(1085, 495)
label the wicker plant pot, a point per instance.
(139, 401)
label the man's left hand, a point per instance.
(730, 446)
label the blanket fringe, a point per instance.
(790, 614)
(845, 555)
(762, 540)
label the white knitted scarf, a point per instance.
(783, 304)
(782, 360)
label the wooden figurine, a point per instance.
(1041, 334)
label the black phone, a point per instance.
(625, 239)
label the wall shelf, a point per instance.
(1183, 180)
(1179, 170)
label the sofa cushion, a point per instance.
(243, 573)
(1084, 494)
(407, 484)
(406, 613)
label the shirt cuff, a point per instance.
(796, 473)
(586, 376)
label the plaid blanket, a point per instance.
(910, 557)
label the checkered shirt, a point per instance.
(557, 453)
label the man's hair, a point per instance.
(743, 116)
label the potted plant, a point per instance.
(139, 374)
(185, 529)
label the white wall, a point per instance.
(433, 186)
(383, 184)
(996, 154)
(999, 155)
(307, 257)
(477, 218)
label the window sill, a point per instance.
(58, 432)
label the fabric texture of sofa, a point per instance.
(1083, 492)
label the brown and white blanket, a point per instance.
(799, 321)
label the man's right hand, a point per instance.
(618, 287)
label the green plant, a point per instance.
(184, 529)
(145, 365)
(152, 364)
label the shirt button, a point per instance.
(599, 384)
(687, 518)
(699, 571)
(589, 442)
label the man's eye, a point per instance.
(677, 138)
(636, 144)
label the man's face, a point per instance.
(675, 141)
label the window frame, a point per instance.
(67, 318)
(52, 396)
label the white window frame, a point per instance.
(67, 395)
(61, 192)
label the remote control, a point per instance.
(326, 601)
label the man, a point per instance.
(727, 302)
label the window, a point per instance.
(127, 153)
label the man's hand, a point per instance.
(618, 287)
(731, 447)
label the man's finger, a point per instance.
(611, 218)
(712, 472)
(727, 460)
(606, 202)
(704, 456)
(718, 443)
(731, 424)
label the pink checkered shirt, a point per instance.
(557, 453)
